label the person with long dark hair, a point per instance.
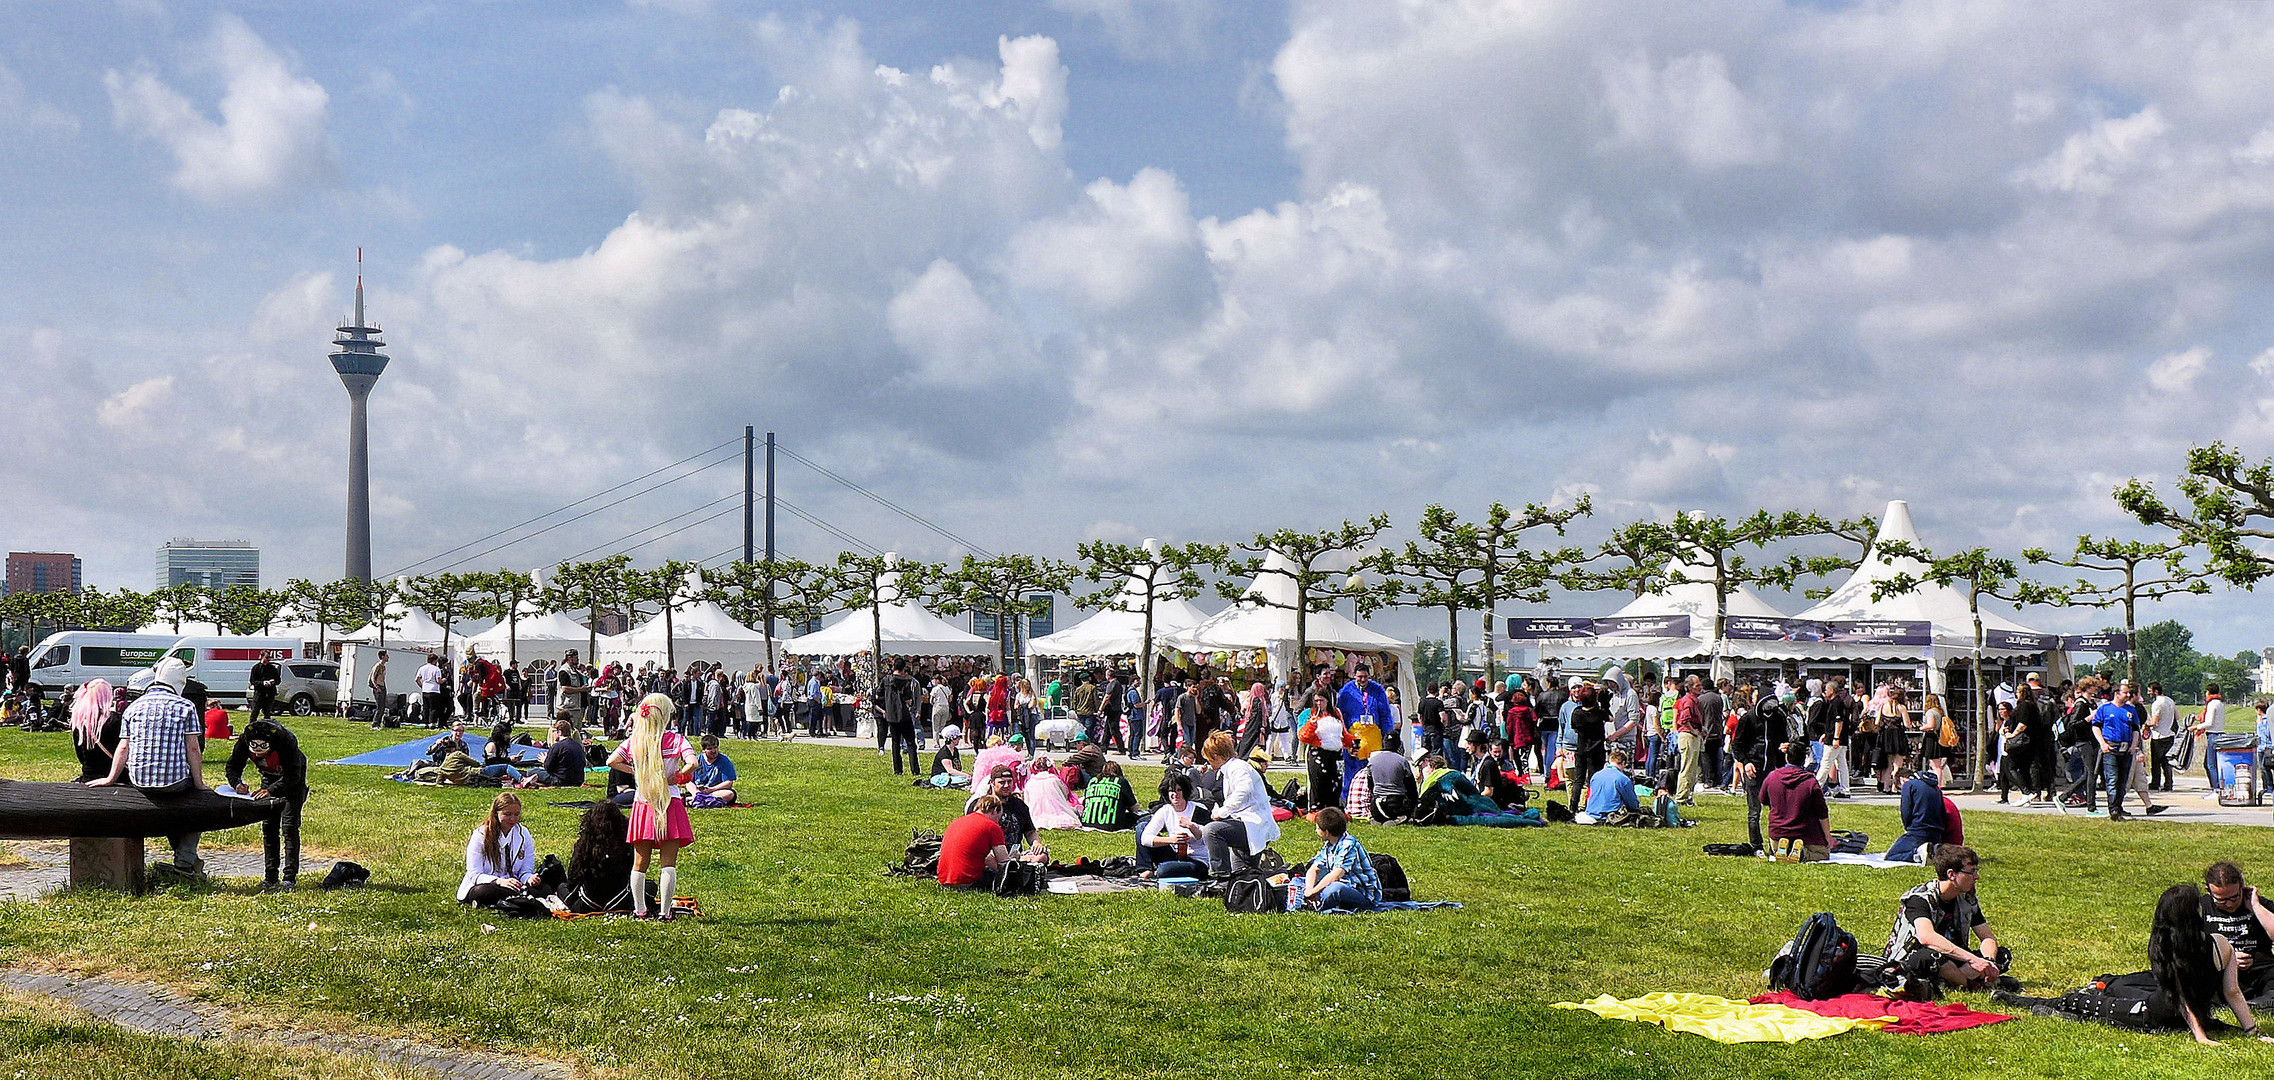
(600, 865)
(2194, 967)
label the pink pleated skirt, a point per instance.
(676, 826)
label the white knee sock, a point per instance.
(670, 884)
(639, 893)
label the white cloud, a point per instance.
(2090, 159)
(2176, 373)
(1690, 104)
(271, 136)
(133, 405)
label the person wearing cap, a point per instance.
(161, 750)
(274, 753)
(1012, 812)
(947, 761)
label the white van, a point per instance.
(77, 657)
(225, 664)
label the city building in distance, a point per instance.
(44, 571)
(214, 564)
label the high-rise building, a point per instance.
(44, 571)
(359, 362)
(213, 564)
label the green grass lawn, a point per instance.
(809, 961)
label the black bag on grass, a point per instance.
(922, 858)
(1019, 878)
(1250, 892)
(1395, 888)
(1819, 963)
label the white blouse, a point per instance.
(517, 859)
(1247, 802)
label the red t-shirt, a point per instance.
(964, 848)
(217, 724)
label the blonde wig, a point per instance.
(649, 770)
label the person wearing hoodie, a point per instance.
(1923, 819)
(1763, 734)
(1795, 802)
(274, 753)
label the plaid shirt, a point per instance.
(155, 724)
(1357, 869)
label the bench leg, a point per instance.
(108, 862)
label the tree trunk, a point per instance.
(2131, 653)
(512, 634)
(1453, 640)
(1145, 653)
(1981, 725)
(1302, 662)
(670, 646)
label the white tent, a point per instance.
(909, 630)
(1259, 622)
(535, 634)
(1941, 605)
(290, 623)
(703, 631)
(407, 628)
(164, 628)
(1693, 597)
(1119, 628)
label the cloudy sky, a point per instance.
(1056, 269)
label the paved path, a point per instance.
(150, 1008)
(46, 866)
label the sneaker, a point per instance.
(1841, 795)
(2095, 813)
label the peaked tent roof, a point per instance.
(1692, 597)
(1257, 623)
(1942, 605)
(1119, 629)
(909, 630)
(703, 631)
(407, 626)
(165, 628)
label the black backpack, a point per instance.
(1251, 892)
(1395, 888)
(1820, 962)
(1020, 878)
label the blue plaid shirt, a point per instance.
(155, 725)
(1357, 869)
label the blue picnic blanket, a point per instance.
(1394, 905)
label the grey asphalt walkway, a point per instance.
(150, 1008)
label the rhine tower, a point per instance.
(359, 362)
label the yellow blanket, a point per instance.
(1723, 1020)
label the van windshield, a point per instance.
(53, 656)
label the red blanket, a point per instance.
(1911, 1017)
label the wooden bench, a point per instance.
(107, 825)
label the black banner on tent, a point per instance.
(2110, 642)
(2019, 640)
(1624, 626)
(1861, 632)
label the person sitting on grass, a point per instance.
(1491, 772)
(563, 763)
(217, 724)
(947, 761)
(498, 760)
(600, 865)
(1011, 811)
(1923, 819)
(455, 742)
(1107, 803)
(972, 851)
(1240, 828)
(1797, 812)
(1343, 875)
(2194, 967)
(1392, 792)
(1933, 925)
(1166, 845)
(1609, 791)
(2236, 911)
(714, 777)
(501, 859)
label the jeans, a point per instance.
(1341, 894)
(282, 838)
(2116, 775)
(1753, 809)
(501, 769)
(813, 717)
(1228, 845)
(2084, 764)
(184, 844)
(1112, 737)
(904, 735)
(1716, 763)
(1547, 753)
(2159, 763)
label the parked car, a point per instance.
(309, 686)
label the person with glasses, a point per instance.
(2236, 912)
(1933, 925)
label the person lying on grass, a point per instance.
(1933, 925)
(972, 852)
(1343, 875)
